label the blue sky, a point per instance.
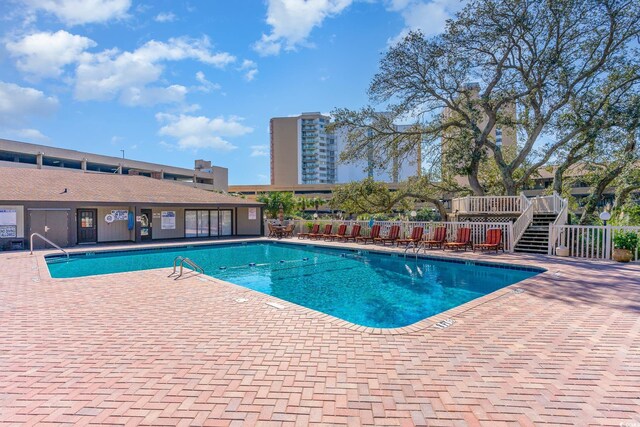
(173, 81)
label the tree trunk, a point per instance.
(558, 176)
(623, 195)
(474, 182)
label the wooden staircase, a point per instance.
(535, 239)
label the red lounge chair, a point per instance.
(463, 240)
(438, 239)
(327, 232)
(314, 230)
(492, 241)
(416, 236)
(394, 232)
(355, 233)
(342, 230)
(375, 233)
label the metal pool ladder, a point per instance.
(48, 241)
(416, 249)
(182, 261)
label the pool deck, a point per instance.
(562, 348)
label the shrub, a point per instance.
(626, 240)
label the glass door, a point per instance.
(226, 223)
(190, 224)
(203, 223)
(213, 226)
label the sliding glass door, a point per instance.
(208, 223)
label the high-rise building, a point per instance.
(394, 170)
(303, 152)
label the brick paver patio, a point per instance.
(139, 348)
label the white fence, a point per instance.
(506, 204)
(478, 229)
(487, 204)
(587, 241)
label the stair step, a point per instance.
(531, 251)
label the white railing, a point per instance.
(561, 220)
(523, 221)
(478, 229)
(589, 241)
(487, 204)
(506, 204)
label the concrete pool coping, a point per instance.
(441, 320)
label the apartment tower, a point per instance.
(302, 152)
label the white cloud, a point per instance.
(17, 103)
(46, 54)
(250, 75)
(78, 12)
(194, 132)
(148, 96)
(205, 85)
(250, 68)
(292, 21)
(259, 150)
(111, 73)
(430, 17)
(24, 134)
(165, 17)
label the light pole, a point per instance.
(605, 216)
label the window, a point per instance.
(208, 223)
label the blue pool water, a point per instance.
(368, 288)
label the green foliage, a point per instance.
(629, 214)
(274, 200)
(550, 72)
(626, 240)
(426, 214)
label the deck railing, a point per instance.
(505, 204)
(487, 204)
(478, 229)
(588, 241)
(525, 218)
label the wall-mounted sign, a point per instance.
(139, 218)
(7, 231)
(108, 218)
(8, 217)
(168, 220)
(253, 213)
(120, 215)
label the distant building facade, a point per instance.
(303, 152)
(21, 154)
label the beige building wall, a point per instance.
(159, 233)
(117, 231)
(246, 226)
(284, 150)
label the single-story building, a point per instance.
(76, 207)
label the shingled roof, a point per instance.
(27, 184)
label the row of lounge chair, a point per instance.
(493, 239)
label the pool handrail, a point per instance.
(184, 260)
(46, 240)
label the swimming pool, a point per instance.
(366, 288)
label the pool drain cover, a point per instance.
(444, 324)
(275, 305)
